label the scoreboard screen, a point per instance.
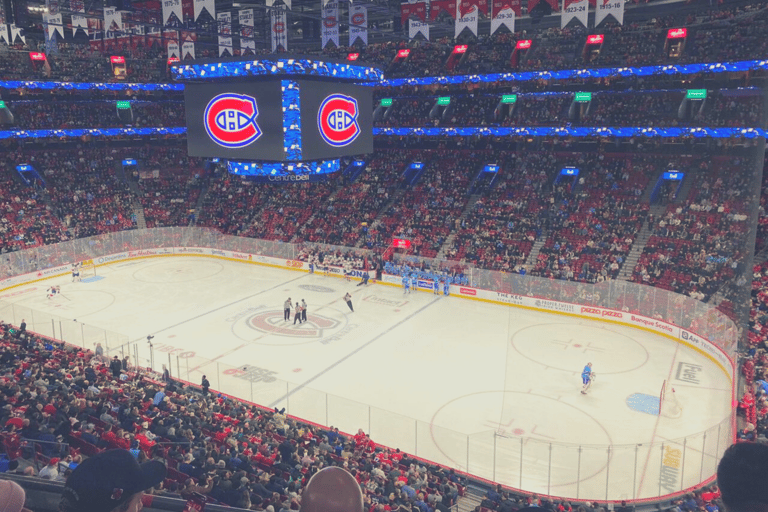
(278, 120)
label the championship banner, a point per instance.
(466, 6)
(416, 27)
(55, 25)
(469, 20)
(613, 7)
(330, 24)
(246, 30)
(499, 5)
(95, 32)
(208, 5)
(578, 9)
(358, 24)
(503, 16)
(279, 29)
(436, 6)
(224, 20)
(4, 33)
(418, 9)
(188, 49)
(172, 8)
(173, 50)
(16, 32)
(113, 22)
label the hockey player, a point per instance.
(436, 285)
(52, 291)
(586, 378)
(414, 282)
(406, 284)
(447, 286)
(75, 272)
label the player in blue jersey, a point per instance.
(447, 286)
(586, 378)
(436, 285)
(406, 285)
(414, 282)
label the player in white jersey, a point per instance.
(347, 270)
(75, 272)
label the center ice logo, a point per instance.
(337, 120)
(230, 120)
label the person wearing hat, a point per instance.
(110, 481)
(51, 471)
(12, 497)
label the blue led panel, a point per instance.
(271, 67)
(548, 131)
(291, 119)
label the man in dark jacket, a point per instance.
(116, 367)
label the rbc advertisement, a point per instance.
(244, 120)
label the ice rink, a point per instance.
(489, 389)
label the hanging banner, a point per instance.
(330, 24)
(279, 29)
(574, 9)
(466, 6)
(499, 5)
(358, 24)
(171, 10)
(503, 18)
(224, 20)
(246, 30)
(416, 27)
(79, 22)
(287, 3)
(417, 9)
(208, 5)
(173, 50)
(113, 22)
(188, 50)
(469, 21)
(95, 32)
(437, 6)
(16, 32)
(4, 33)
(613, 7)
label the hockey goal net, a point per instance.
(669, 407)
(87, 269)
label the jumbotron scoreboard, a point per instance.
(287, 110)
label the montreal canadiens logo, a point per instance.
(337, 120)
(230, 120)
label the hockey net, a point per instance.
(87, 269)
(669, 407)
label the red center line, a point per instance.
(656, 426)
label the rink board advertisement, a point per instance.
(592, 312)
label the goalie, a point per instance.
(587, 376)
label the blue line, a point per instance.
(358, 349)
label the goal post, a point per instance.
(87, 269)
(669, 407)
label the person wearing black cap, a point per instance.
(116, 366)
(110, 481)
